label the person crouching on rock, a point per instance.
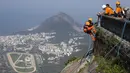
(90, 29)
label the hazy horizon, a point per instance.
(16, 15)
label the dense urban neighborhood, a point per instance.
(38, 44)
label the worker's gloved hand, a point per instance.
(95, 23)
(99, 14)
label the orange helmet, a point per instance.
(87, 23)
(90, 19)
(118, 2)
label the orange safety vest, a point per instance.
(118, 10)
(109, 11)
(88, 29)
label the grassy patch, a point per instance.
(71, 60)
(26, 70)
(14, 57)
(109, 66)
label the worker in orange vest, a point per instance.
(118, 10)
(90, 29)
(108, 10)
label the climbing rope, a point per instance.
(88, 50)
(111, 50)
(123, 30)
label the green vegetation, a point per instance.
(109, 66)
(26, 70)
(20, 64)
(108, 40)
(71, 60)
(14, 57)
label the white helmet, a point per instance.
(104, 6)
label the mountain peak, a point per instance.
(60, 22)
(66, 17)
(62, 14)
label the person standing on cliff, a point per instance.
(119, 10)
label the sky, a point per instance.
(16, 15)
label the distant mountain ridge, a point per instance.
(58, 23)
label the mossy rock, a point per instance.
(108, 66)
